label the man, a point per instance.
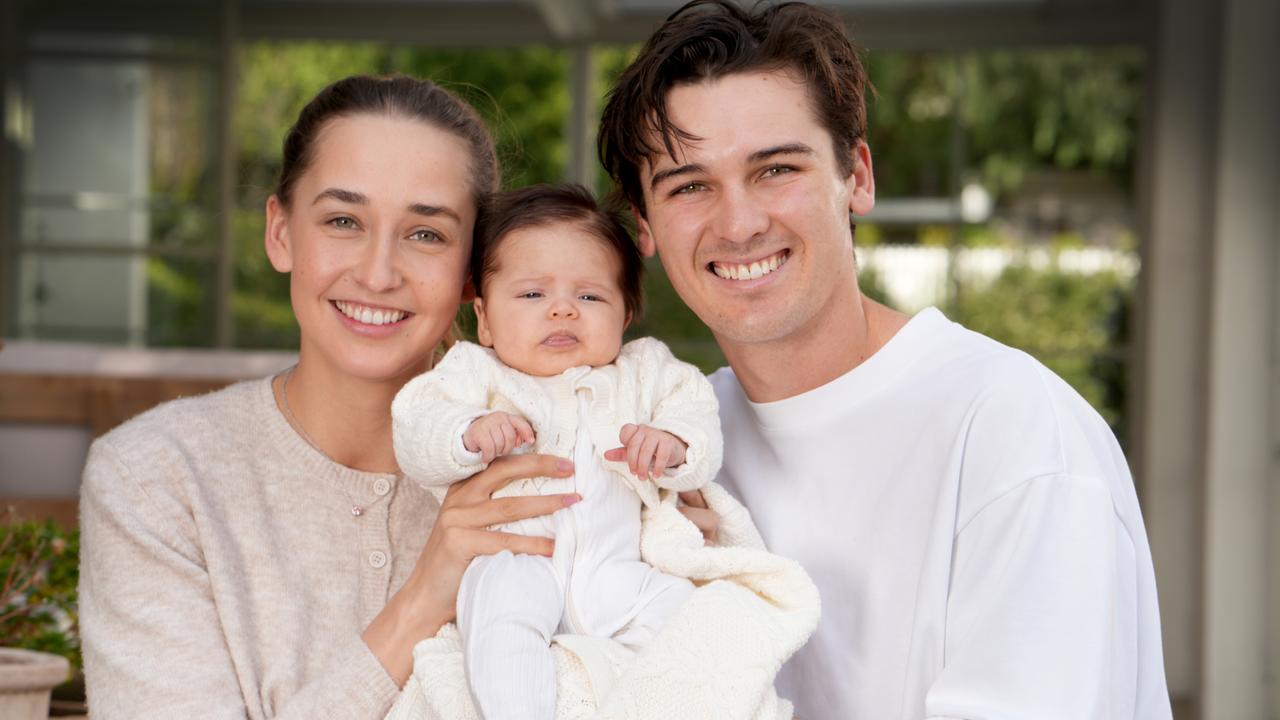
(969, 520)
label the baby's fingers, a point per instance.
(524, 431)
(627, 432)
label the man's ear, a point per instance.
(276, 237)
(861, 183)
(644, 235)
(482, 324)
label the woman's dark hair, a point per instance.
(709, 39)
(541, 205)
(397, 96)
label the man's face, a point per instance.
(752, 221)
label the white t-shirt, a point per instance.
(973, 530)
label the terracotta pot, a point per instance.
(26, 679)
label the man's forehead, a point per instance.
(735, 137)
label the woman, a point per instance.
(254, 552)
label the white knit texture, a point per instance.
(717, 657)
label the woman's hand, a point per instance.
(429, 596)
(694, 507)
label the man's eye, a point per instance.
(775, 170)
(427, 236)
(343, 223)
(687, 189)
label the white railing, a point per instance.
(916, 277)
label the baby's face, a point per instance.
(554, 301)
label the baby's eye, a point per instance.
(590, 297)
(531, 295)
(427, 236)
(343, 223)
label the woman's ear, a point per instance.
(482, 324)
(276, 238)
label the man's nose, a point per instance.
(739, 217)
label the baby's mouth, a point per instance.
(561, 338)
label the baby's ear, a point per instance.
(482, 324)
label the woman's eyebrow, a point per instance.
(354, 198)
(346, 196)
(434, 210)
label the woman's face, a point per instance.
(376, 237)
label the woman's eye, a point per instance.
(343, 223)
(428, 236)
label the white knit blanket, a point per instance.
(716, 658)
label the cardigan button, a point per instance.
(377, 558)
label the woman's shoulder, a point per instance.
(187, 426)
(219, 409)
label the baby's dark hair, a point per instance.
(546, 204)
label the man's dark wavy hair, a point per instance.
(708, 39)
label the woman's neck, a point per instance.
(346, 418)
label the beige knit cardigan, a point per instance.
(224, 572)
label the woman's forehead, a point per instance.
(391, 159)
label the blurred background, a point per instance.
(1096, 182)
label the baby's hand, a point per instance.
(497, 434)
(648, 451)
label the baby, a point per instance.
(557, 281)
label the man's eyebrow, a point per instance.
(433, 210)
(663, 175)
(346, 196)
(787, 149)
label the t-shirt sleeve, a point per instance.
(1042, 608)
(152, 639)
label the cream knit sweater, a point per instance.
(224, 573)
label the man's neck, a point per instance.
(834, 343)
(346, 418)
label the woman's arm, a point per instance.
(151, 636)
(154, 642)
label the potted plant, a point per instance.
(38, 639)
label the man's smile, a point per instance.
(750, 270)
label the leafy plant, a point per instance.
(39, 569)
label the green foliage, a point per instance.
(39, 566)
(1070, 322)
(1011, 111)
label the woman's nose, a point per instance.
(379, 268)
